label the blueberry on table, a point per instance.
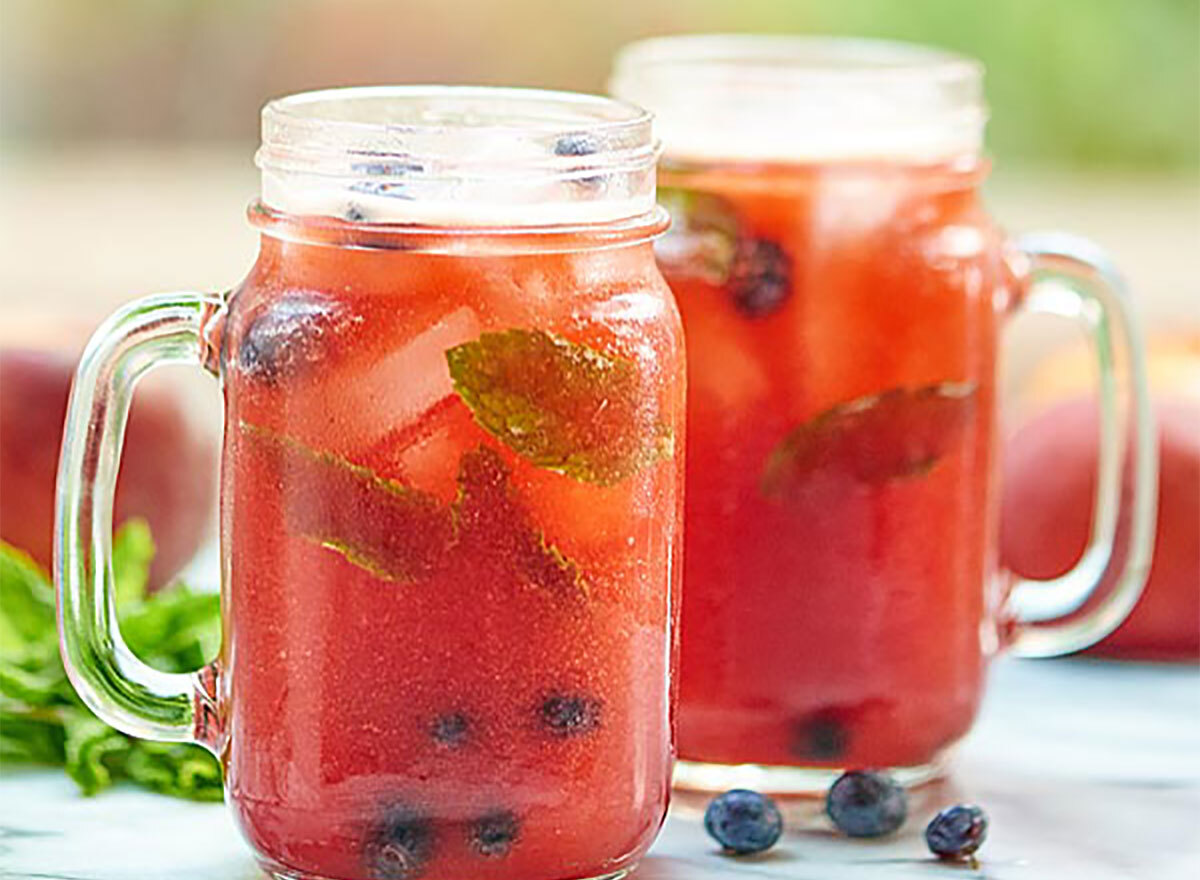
(760, 280)
(570, 715)
(494, 834)
(400, 846)
(957, 832)
(743, 821)
(866, 804)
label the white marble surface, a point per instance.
(1089, 771)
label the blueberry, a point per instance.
(575, 145)
(390, 168)
(760, 279)
(956, 832)
(579, 145)
(822, 736)
(451, 730)
(866, 804)
(401, 846)
(288, 335)
(568, 715)
(743, 821)
(494, 834)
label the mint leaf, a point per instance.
(90, 744)
(27, 616)
(492, 521)
(31, 737)
(32, 684)
(393, 531)
(178, 630)
(702, 240)
(561, 405)
(132, 553)
(897, 434)
(176, 769)
(42, 719)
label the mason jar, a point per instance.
(451, 492)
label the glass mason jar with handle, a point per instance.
(843, 290)
(451, 492)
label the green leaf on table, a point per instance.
(26, 604)
(42, 719)
(90, 746)
(35, 737)
(176, 769)
(561, 405)
(132, 553)
(177, 630)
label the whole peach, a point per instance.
(1049, 480)
(167, 469)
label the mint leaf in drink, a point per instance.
(702, 240)
(392, 530)
(42, 719)
(561, 405)
(492, 522)
(897, 434)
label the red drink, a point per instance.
(449, 660)
(841, 326)
(451, 502)
(842, 291)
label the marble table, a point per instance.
(1089, 771)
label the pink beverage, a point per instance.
(843, 289)
(451, 491)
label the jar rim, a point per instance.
(457, 155)
(301, 107)
(786, 97)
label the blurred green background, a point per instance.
(1101, 82)
(128, 127)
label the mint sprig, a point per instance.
(561, 405)
(897, 434)
(43, 721)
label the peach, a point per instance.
(1050, 470)
(167, 472)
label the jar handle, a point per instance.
(118, 687)
(1071, 277)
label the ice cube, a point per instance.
(397, 389)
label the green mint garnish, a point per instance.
(561, 405)
(897, 434)
(43, 721)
